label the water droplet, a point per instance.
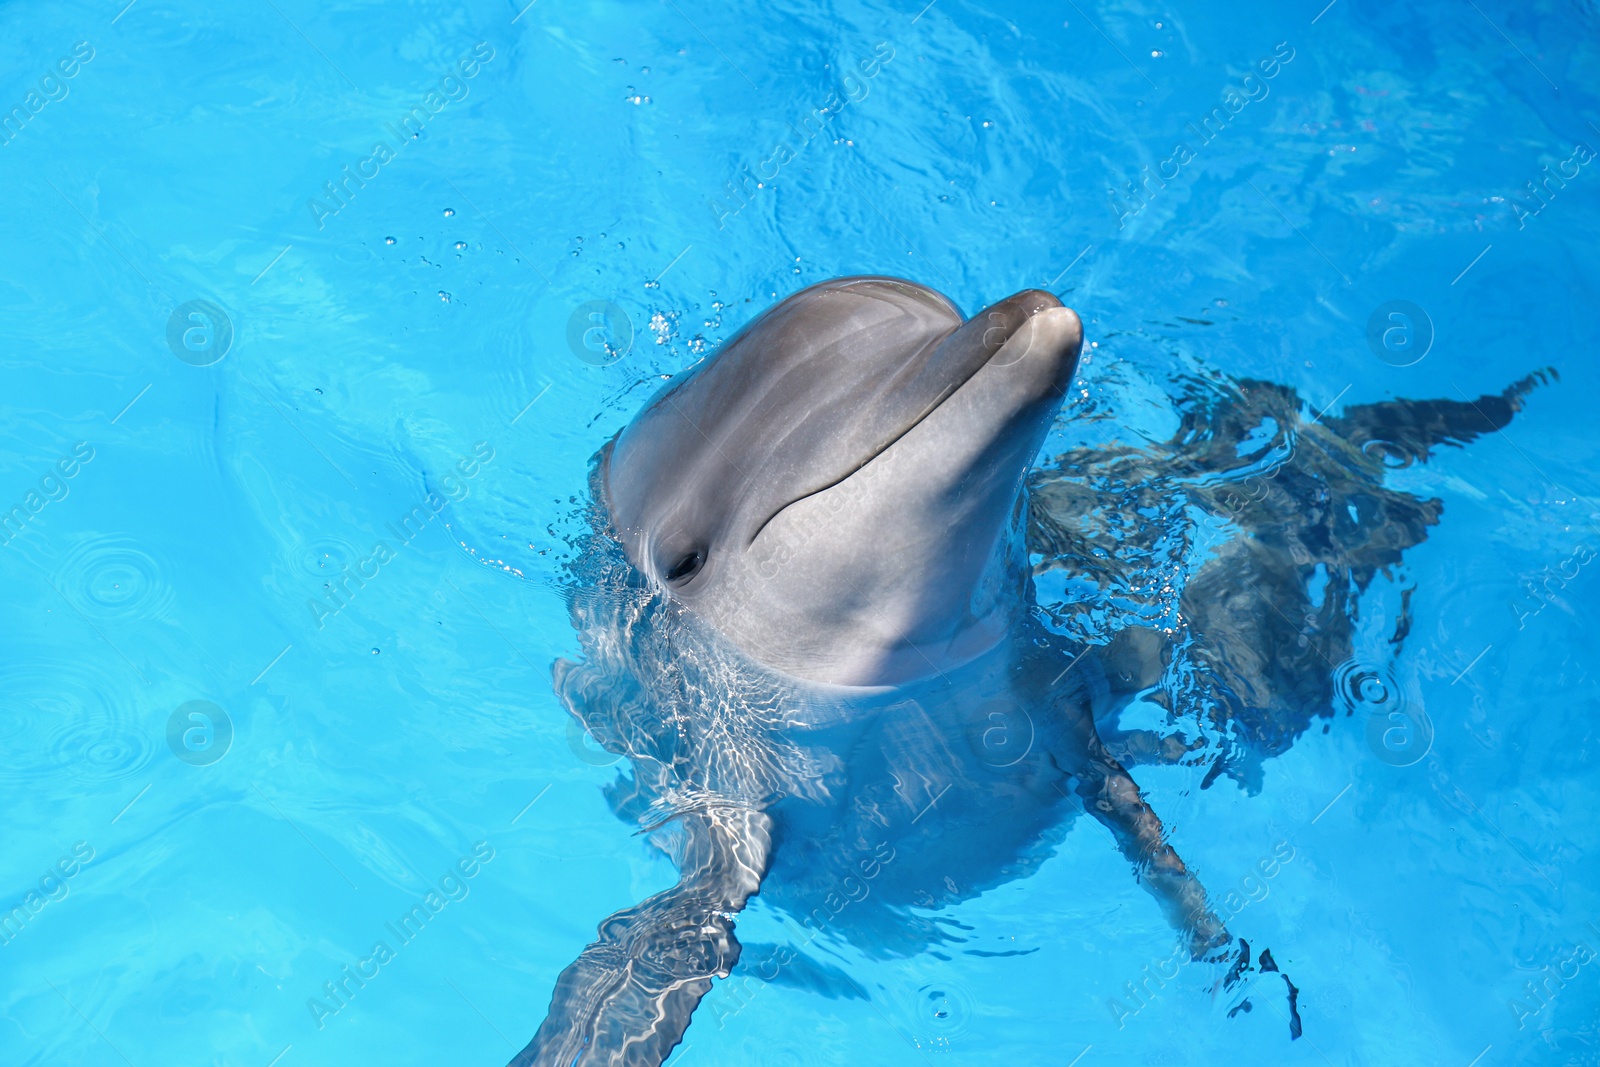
(319, 392)
(461, 246)
(1155, 53)
(374, 652)
(388, 240)
(444, 296)
(449, 211)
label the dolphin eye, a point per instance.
(687, 567)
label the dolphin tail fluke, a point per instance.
(1110, 794)
(626, 1000)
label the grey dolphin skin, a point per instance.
(737, 490)
(808, 621)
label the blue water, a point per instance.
(360, 352)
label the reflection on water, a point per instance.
(1251, 633)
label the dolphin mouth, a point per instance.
(1004, 321)
(949, 392)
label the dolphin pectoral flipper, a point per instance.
(626, 1000)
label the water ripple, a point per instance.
(62, 720)
(940, 1013)
(112, 578)
(1362, 687)
(323, 557)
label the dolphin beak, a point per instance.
(1018, 356)
(1022, 353)
(1034, 324)
(945, 492)
(1029, 333)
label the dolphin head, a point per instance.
(839, 490)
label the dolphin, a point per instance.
(808, 617)
(813, 544)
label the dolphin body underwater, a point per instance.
(808, 621)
